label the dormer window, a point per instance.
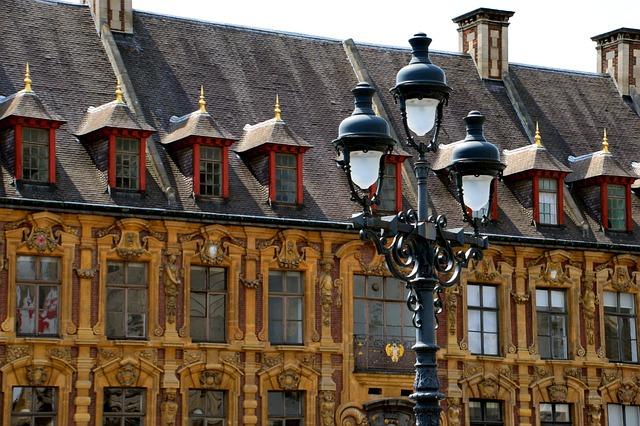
(28, 135)
(548, 201)
(391, 193)
(117, 141)
(616, 207)
(274, 154)
(286, 171)
(200, 148)
(127, 165)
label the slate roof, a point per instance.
(531, 157)
(197, 123)
(593, 165)
(26, 104)
(243, 69)
(272, 131)
(112, 114)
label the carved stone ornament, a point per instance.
(353, 416)
(627, 393)
(213, 252)
(128, 375)
(485, 270)
(289, 380)
(506, 371)
(87, 273)
(150, 354)
(540, 372)
(576, 373)
(589, 302)
(105, 355)
(169, 408)
(621, 280)
(63, 353)
(15, 352)
(37, 375)
(42, 239)
(308, 359)
(269, 361)
(376, 267)
(210, 378)
(454, 410)
(489, 388)
(520, 298)
(609, 376)
(192, 356)
(395, 351)
(233, 359)
(580, 351)
(533, 349)
(327, 408)
(602, 354)
(594, 413)
(251, 284)
(471, 369)
(171, 286)
(326, 286)
(558, 392)
(452, 310)
(288, 257)
(554, 274)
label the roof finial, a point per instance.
(605, 142)
(119, 93)
(537, 139)
(277, 109)
(27, 80)
(201, 101)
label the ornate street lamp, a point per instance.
(418, 248)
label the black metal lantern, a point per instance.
(421, 90)
(475, 163)
(363, 140)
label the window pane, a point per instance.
(26, 270)
(137, 273)
(294, 284)
(294, 308)
(115, 273)
(626, 303)
(563, 413)
(292, 404)
(49, 269)
(275, 282)
(137, 301)
(473, 295)
(490, 344)
(610, 299)
(475, 342)
(217, 280)
(557, 300)
(492, 411)
(546, 412)
(475, 411)
(358, 286)
(489, 296)
(135, 325)
(198, 305)
(26, 309)
(393, 289)
(276, 404)
(198, 278)
(632, 415)
(374, 287)
(490, 321)
(542, 298)
(474, 320)
(48, 312)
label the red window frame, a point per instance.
(111, 134)
(223, 144)
(603, 182)
(398, 161)
(548, 174)
(298, 151)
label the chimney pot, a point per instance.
(619, 55)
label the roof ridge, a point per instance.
(559, 70)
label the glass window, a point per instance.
(548, 201)
(388, 193)
(127, 163)
(482, 314)
(286, 408)
(208, 304)
(286, 307)
(552, 323)
(616, 205)
(37, 295)
(210, 171)
(555, 414)
(35, 154)
(485, 413)
(126, 300)
(34, 406)
(623, 415)
(380, 309)
(123, 407)
(207, 407)
(620, 327)
(286, 178)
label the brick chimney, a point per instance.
(117, 14)
(619, 55)
(483, 35)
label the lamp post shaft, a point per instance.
(426, 385)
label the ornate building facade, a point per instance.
(197, 269)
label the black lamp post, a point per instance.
(418, 248)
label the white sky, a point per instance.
(551, 33)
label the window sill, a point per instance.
(212, 345)
(297, 347)
(133, 341)
(38, 339)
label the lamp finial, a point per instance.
(605, 142)
(537, 138)
(201, 101)
(27, 79)
(277, 111)
(119, 92)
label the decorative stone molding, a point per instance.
(210, 378)
(589, 302)
(233, 359)
(540, 372)
(353, 416)
(130, 237)
(377, 266)
(484, 270)
(251, 284)
(192, 356)
(452, 308)
(269, 361)
(505, 371)
(61, 352)
(470, 369)
(37, 375)
(327, 407)
(309, 360)
(520, 298)
(150, 354)
(489, 388)
(609, 376)
(172, 284)
(326, 286)
(106, 355)
(574, 372)
(621, 280)
(558, 392)
(128, 375)
(289, 380)
(88, 273)
(594, 413)
(533, 349)
(289, 257)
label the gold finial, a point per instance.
(201, 101)
(277, 109)
(27, 80)
(537, 138)
(605, 142)
(119, 93)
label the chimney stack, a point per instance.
(117, 14)
(483, 35)
(619, 55)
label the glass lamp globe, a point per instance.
(476, 191)
(365, 167)
(421, 114)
